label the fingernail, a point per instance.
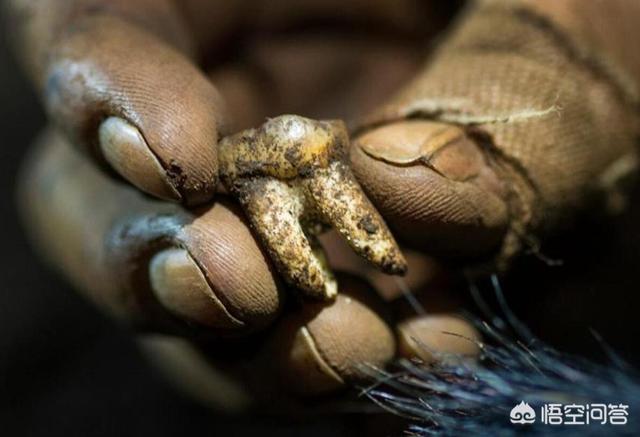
(437, 337)
(408, 141)
(348, 334)
(331, 344)
(181, 287)
(306, 364)
(125, 149)
(443, 147)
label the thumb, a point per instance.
(511, 134)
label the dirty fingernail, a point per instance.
(181, 287)
(438, 337)
(444, 147)
(125, 149)
(329, 345)
(408, 141)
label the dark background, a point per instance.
(66, 370)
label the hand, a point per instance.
(470, 174)
(126, 82)
(201, 275)
(508, 134)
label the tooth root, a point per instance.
(341, 202)
(274, 210)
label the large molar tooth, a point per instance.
(291, 177)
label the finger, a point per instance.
(315, 349)
(128, 97)
(322, 347)
(181, 286)
(438, 331)
(213, 274)
(235, 266)
(442, 332)
(433, 185)
(147, 261)
(438, 337)
(524, 121)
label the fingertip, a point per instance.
(409, 141)
(326, 346)
(434, 187)
(181, 287)
(241, 275)
(438, 337)
(147, 108)
(125, 149)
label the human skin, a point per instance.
(136, 62)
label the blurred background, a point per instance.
(67, 370)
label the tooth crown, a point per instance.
(285, 147)
(291, 177)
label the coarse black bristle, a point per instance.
(462, 397)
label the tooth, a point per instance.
(340, 201)
(291, 177)
(274, 209)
